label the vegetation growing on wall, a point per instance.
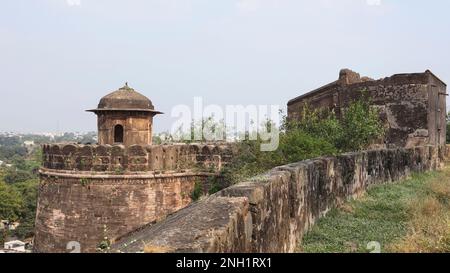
(197, 191)
(319, 133)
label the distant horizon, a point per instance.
(43, 133)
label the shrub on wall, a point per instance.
(358, 126)
(295, 145)
(361, 125)
(319, 133)
(319, 123)
(197, 191)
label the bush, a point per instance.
(295, 145)
(319, 123)
(357, 128)
(298, 145)
(197, 191)
(361, 126)
(318, 133)
(13, 176)
(249, 161)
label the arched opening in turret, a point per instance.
(118, 134)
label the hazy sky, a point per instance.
(59, 57)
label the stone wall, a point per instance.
(87, 192)
(270, 213)
(118, 159)
(412, 106)
(137, 127)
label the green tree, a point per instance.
(11, 203)
(361, 126)
(8, 152)
(13, 176)
(28, 191)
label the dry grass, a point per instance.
(429, 227)
(156, 249)
(346, 207)
(411, 216)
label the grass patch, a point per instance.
(409, 216)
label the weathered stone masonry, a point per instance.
(85, 188)
(271, 213)
(117, 159)
(412, 106)
(89, 192)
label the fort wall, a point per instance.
(118, 159)
(89, 192)
(270, 213)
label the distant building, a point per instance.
(16, 246)
(14, 225)
(5, 224)
(29, 143)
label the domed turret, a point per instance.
(125, 98)
(125, 117)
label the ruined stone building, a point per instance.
(91, 192)
(412, 106)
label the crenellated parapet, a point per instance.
(119, 159)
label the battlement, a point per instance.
(119, 159)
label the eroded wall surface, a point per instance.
(270, 213)
(137, 127)
(89, 192)
(412, 106)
